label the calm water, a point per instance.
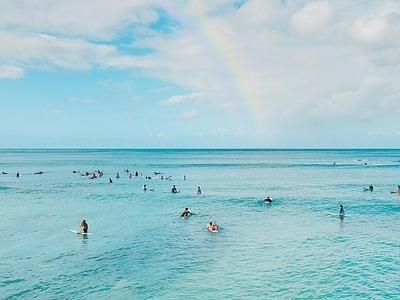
(140, 249)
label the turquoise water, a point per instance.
(141, 249)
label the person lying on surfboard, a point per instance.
(186, 213)
(84, 226)
(268, 200)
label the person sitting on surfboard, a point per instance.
(341, 211)
(174, 190)
(371, 187)
(186, 213)
(84, 226)
(212, 226)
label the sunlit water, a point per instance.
(141, 249)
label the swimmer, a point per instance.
(84, 226)
(198, 190)
(110, 180)
(184, 177)
(371, 187)
(341, 210)
(117, 175)
(17, 174)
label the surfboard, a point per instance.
(215, 231)
(367, 189)
(335, 214)
(76, 232)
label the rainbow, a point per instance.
(236, 81)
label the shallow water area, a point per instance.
(140, 248)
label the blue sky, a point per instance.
(200, 74)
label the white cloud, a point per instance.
(11, 72)
(187, 115)
(312, 17)
(82, 100)
(52, 114)
(183, 99)
(378, 25)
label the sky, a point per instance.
(199, 74)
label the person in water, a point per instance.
(186, 213)
(398, 189)
(110, 180)
(174, 190)
(198, 190)
(371, 187)
(212, 226)
(84, 226)
(268, 200)
(341, 210)
(144, 188)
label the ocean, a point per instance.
(139, 248)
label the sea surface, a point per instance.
(139, 248)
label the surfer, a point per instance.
(110, 180)
(341, 210)
(174, 190)
(212, 226)
(84, 226)
(186, 213)
(184, 177)
(268, 200)
(117, 175)
(398, 189)
(17, 174)
(198, 190)
(371, 187)
(144, 188)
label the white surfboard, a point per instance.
(77, 232)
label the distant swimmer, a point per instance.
(371, 187)
(198, 190)
(84, 226)
(174, 190)
(341, 210)
(126, 170)
(162, 177)
(268, 200)
(117, 175)
(17, 174)
(184, 177)
(4, 172)
(110, 180)
(185, 213)
(212, 226)
(136, 173)
(130, 176)
(144, 188)
(40, 172)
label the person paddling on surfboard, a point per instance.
(84, 226)
(268, 200)
(186, 213)
(341, 210)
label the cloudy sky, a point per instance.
(200, 74)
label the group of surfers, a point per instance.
(212, 226)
